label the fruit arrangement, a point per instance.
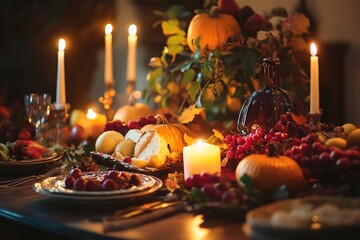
(150, 141)
(21, 150)
(100, 181)
(329, 155)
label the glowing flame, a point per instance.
(108, 29)
(62, 44)
(91, 114)
(132, 30)
(313, 49)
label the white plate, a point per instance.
(260, 225)
(54, 186)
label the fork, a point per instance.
(19, 181)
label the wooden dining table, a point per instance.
(24, 213)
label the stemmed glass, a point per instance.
(37, 108)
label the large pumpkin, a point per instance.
(132, 112)
(214, 30)
(173, 133)
(270, 171)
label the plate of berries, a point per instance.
(98, 185)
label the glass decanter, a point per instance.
(264, 107)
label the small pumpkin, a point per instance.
(132, 111)
(214, 29)
(173, 133)
(270, 171)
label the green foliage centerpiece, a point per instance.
(199, 68)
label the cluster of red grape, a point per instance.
(327, 164)
(142, 121)
(109, 181)
(121, 127)
(240, 146)
(215, 188)
(116, 125)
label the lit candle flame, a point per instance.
(91, 114)
(132, 30)
(108, 29)
(62, 44)
(313, 49)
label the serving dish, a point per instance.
(313, 217)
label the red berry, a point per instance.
(151, 119)
(91, 185)
(196, 180)
(230, 155)
(69, 182)
(325, 158)
(240, 140)
(188, 182)
(206, 178)
(76, 173)
(142, 122)
(113, 174)
(305, 149)
(79, 184)
(132, 124)
(109, 185)
(208, 190)
(127, 159)
(343, 164)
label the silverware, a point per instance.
(141, 215)
(22, 180)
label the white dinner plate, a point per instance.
(260, 224)
(55, 187)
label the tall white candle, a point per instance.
(131, 58)
(314, 80)
(108, 71)
(201, 157)
(60, 86)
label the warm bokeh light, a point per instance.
(91, 114)
(62, 44)
(313, 49)
(137, 94)
(132, 30)
(108, 29)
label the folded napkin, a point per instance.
(117, 223)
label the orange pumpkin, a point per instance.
(132, 112)
(214, 30)
(173, 133)
(269, 172)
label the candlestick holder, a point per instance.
(107, 100)
(314, 120)
(60, 116)
(130, 88)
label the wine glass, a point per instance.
(37, 108)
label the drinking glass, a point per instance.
(37, 109)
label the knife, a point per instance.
(136, 218)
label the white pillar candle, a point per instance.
(314, 80)
(108, 71)
(201, 157)
(60, 86)
(131, 58)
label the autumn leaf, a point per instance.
(188, 140)
(189, 114)
(218, 139)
